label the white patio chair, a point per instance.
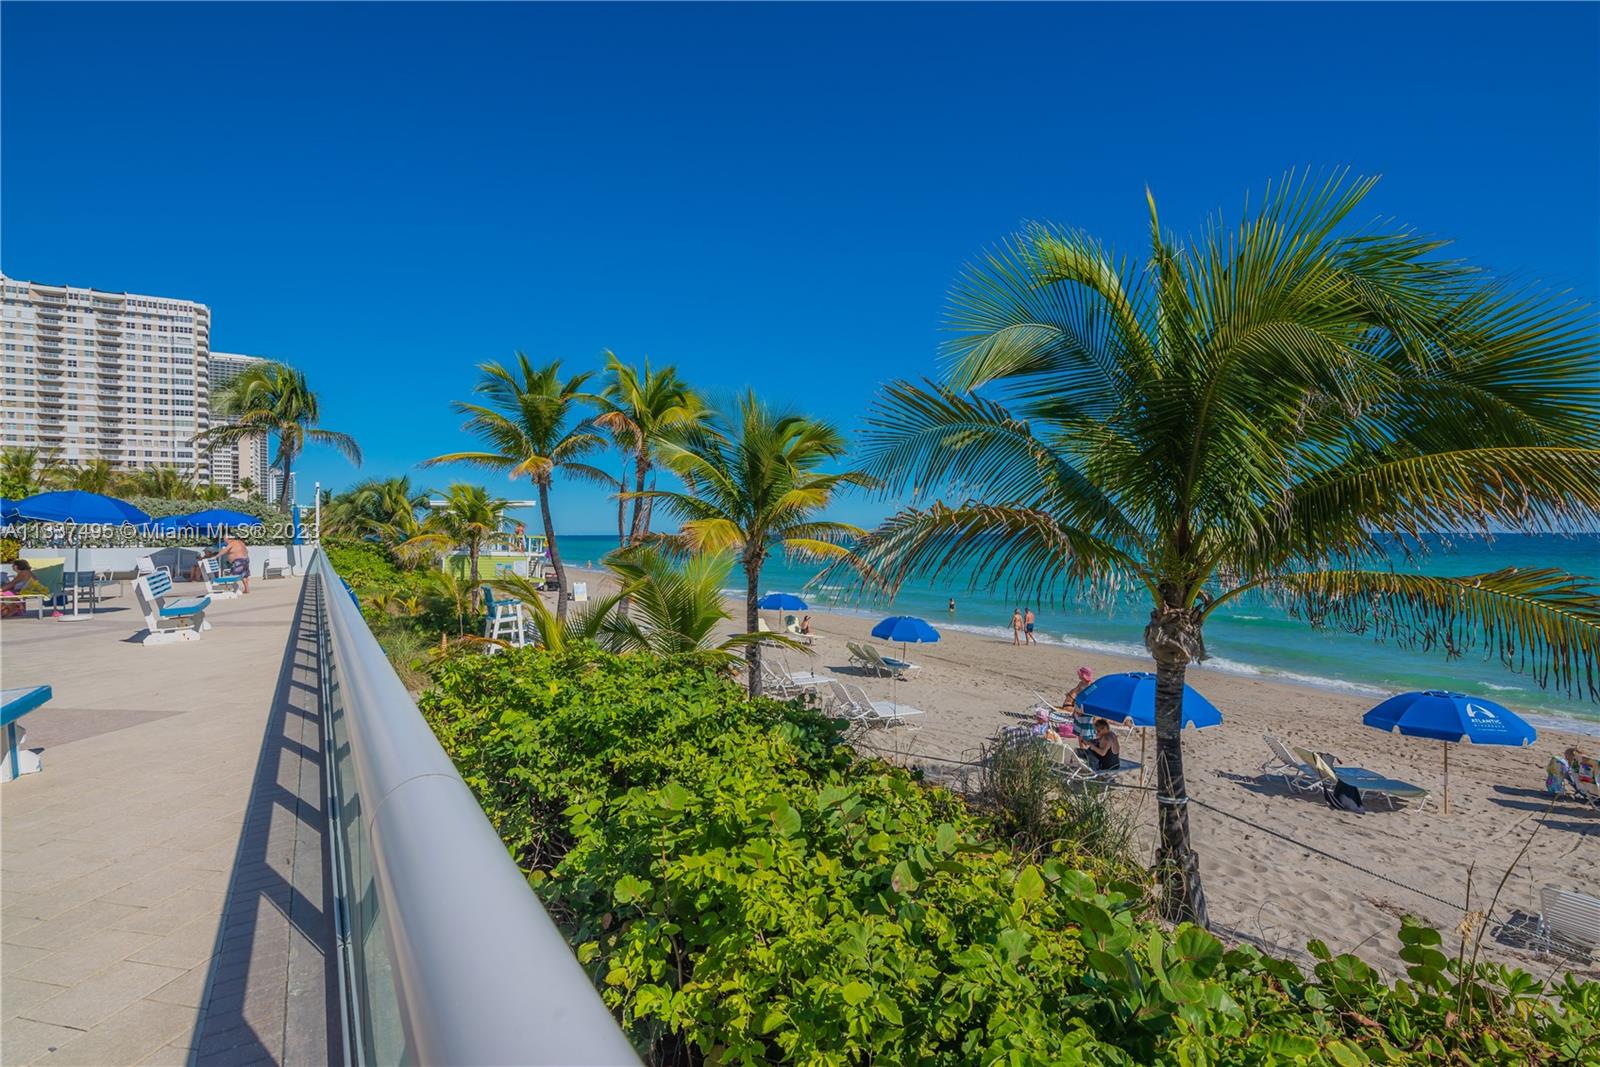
(168, 618)
(220, 586)
(1569, 922)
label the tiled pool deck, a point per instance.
(163, 892)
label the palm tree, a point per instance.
(90, 476)
(275, 399)
(528, 424)
(676, 607)
(247, 486)
(753, 486)
(589, 623)
(167, 482)
(640, 407)
(469, 519)
(385, 508)
(26, 471)
(1266, 408)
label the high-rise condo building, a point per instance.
(247, 458)
(95, 375)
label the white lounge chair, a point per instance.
(803, 679)
(1365, 782)
(1301, 776)
(882, 712)
(166, 617)
(887, 665)
(1568, 922)
(147, 565)
(219, 585)
(792, 628)
(858, 658)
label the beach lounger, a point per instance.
(803, 679)
(858, 658)
(1364, 781)
(166, 617)
(887, 665)
(870, 712)
(792, 628)
(14, 704)
(1569, 922)
(218, 585)
(1301, 776)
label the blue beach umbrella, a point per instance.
(908, 630)
(8, 511)
(209, 520)
(776, 602)
(81, 509)
(1130, 699)
(1449, 718)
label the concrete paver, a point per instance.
(163, 894)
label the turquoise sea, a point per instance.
(1250, 635)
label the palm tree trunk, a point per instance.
(472, 570)
(641, 467)
(752, 620)
(1173, 637)
(555, 554)
(285, 502)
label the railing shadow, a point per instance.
(271, 993)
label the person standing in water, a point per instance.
(1016, 627)
(952, 608)
(1027, 623)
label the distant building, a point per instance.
(247, 458)
(89, 375)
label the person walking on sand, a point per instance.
(1027, 623)
(1016, 627)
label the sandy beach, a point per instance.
(1264, 889)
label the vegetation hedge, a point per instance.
(745, 890)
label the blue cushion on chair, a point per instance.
(186, 606)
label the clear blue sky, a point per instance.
(776, 196)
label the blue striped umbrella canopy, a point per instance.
(1130, 698)
(1440, 715)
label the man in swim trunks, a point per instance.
(1027, 625)
(236, 558)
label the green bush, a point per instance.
(368, 567)
(745, 890)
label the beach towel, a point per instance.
(1342, 797)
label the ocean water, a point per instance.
(1250, 635)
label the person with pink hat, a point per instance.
(1070, 701)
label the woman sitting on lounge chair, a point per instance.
(1104, 753)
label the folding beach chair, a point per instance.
(1300, 776)
(1366, 782)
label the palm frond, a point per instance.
(1543, 622)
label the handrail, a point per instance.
(471, 968)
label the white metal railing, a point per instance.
(446, 955)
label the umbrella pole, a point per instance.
(1446, 745)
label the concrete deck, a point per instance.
(163, 891)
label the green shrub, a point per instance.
(745, 890)
(368, 567)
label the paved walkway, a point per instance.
(163, 897)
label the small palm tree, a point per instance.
(26, 471)
(248, 487)
(212, 492)
(90, 476)
(385, 508)
(459, 596)
(528, 421)
(754, 487)
(676, 607)
(589, 623)
(641, 407)
(167, 482)
(1265, 408)
(469, 519)
(275, 399)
